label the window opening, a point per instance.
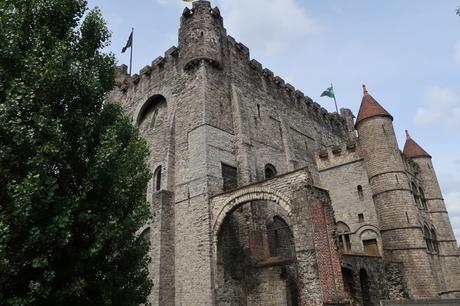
(427, 236)
(423, 199)
(157, 178)
(270, 171)
(279, 238)
(434, 240)
(343, 237)
(229, 176)
(371, 247)
(415, 194)
(360, 192)
(146, 235)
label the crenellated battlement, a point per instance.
(203, 39)
(170, 61)
(305, 103)
(336, 155)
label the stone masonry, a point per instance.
(260, 196)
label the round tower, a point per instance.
(201, 35)
(402, 234)
(442, 233)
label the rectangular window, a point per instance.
(371, 247)
(361, 218)
(229, 175)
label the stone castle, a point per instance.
(261, 197)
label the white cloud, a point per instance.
(442, 107)
(268, 25)
(457, 53)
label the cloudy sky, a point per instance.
(407, 52)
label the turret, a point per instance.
(402, 234)
(441, 230)
(201, 35)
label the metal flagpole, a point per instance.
(131, 55)
(335, 101)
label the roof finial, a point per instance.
(365, 92)
(407, 135)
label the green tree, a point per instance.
(72, 170)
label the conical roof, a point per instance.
(370, 107)
(413, 149)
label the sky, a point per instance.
(406, 52)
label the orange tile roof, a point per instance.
(413, 149)
(370, 108)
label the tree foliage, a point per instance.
(72, 170)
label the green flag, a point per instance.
(329, 93)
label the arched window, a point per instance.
(270, 171)
(415, 194)
(343, 237)
(422, 198)
(157, 179)
(427, 236)
(434, 240)
(360, 192)
(149, 107)
(279, 238)
(146, 235)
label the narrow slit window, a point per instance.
(157, 179)
(360, 192)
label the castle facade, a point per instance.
(261, 197)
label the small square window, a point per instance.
(361, 218)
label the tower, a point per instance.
(402, 234)
(201, 35)
(441, 233)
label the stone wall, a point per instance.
(352, 198)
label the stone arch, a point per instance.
(249, 195)
(143, 108)
(243, 252)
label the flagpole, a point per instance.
(131, 54)
(335, 101)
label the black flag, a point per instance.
(129, 43)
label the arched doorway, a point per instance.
(349, 284)
(365, 288)
(256, 262)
